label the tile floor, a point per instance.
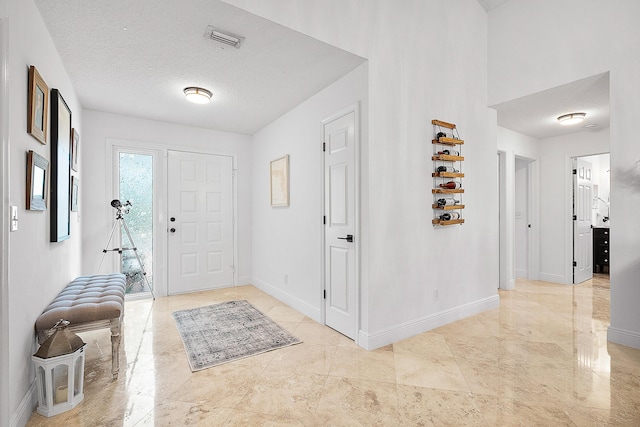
(542, 358)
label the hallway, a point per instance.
(542, 358)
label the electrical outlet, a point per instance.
(286, 279)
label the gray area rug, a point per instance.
(229, 331)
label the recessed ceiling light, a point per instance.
(571, 118)
(197, 95)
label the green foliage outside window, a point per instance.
(136, 186)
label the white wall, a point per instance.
(421, 67)
(288, 240)
(38, 269)
(525, 57)
(100, 129)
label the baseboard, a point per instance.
(621, 336)
(522, 273)
(553, 278)
(244, 280)
(510, 284)
(415, 327)
(28, 402)
(293, 302)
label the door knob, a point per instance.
(173, 230)
(349, 238)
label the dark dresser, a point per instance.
(601, 250)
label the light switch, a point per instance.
(14, 218)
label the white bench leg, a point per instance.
(115, 347)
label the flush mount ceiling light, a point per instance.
(571, 119)
(223, 36)
(197, 95)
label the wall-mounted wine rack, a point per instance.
(447, 176)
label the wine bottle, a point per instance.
(447, 169)
(448, 216)
(451, 185)
(449, 152)
(447, 201)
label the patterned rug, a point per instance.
(229, 331)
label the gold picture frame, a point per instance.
(279, 181)
(38, 114)
(37, 182)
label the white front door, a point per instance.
(582, 232)
(340, 223)
(200, 226)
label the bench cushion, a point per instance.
(86, 299)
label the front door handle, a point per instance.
(349, 238)
(173, 230)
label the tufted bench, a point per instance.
(88, 303)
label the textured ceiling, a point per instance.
(489, 5)
(536, 115)
(136, 57)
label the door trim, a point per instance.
(355, 108)
(4, 224)
(506, 209)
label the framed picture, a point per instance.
(279, 186)
(74, 193)
(37, 182)
(38, 106)
(60, 168)
(75, 140)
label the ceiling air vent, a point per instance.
(222, 36)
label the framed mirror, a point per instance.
(37, 182)
(60, 167)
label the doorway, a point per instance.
(591, 216)
(522, 217)
(519, 218)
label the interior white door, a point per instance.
(340, 220)
(582, 231)
(200, 200)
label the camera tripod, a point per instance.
(121, 210)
